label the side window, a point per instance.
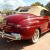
(24, 10)
(48, 13)
(44, 13)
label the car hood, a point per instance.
(23, 19)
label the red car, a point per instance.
(28, 23)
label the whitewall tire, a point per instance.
(35, 36)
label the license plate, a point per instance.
(17, 36)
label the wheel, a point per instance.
(35, 36)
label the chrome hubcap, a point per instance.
(35, 36)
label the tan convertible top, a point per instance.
(33, 10)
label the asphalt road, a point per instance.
(42, 44)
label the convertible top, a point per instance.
(36, 10)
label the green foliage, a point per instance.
(37, 4)
(48, 6)
(8, 12)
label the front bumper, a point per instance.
(10, 36)
(25, 33)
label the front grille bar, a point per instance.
(5, 35)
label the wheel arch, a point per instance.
(39, 30)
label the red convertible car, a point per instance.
(28, 23)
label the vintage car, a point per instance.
(29, 23)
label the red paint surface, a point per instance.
(28, 23)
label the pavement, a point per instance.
(42, 44)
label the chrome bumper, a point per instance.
(9, 36)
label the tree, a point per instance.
(37, 4)
(48, 6)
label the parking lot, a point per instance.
(42, 44)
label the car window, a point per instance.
(24, 9)
(44, 13)
(17, 9)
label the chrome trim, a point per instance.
(5, 35)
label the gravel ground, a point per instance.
(42, 44)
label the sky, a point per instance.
(13, 4)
